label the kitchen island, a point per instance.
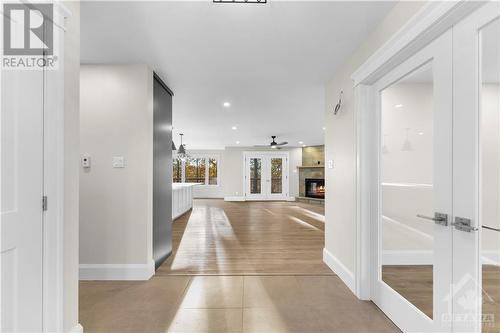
(182, 198)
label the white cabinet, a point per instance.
(182, 198)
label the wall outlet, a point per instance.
(86, 161)
(330, 164)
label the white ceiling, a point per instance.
(269, 61)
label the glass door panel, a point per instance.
(407, 191)
(255, 175)
(489, 194)
(276, 175)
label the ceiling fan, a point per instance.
(273, 143)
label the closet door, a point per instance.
(476, 180)
(21, 228)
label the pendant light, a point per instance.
(181, 152)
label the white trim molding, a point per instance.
(430, 22)
(117, 271)
(238, 198)
(338, 268)
(77, 329)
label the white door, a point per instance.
(266, 176)
(412, 239)
(476, 161)
(21, 200)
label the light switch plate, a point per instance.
(118, 162)
(330, 164)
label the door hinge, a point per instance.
(44, 203)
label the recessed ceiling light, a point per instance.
(420, 133)
(237, 142)
(234, 128)
(300, 142)
(324, 128)
(398, 106)
(226, 104)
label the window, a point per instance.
(195, 170)
(212, 171)
(203, 170)
(177, 171)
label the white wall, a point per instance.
(71, 165)
(340, 142)
(116, 203)
(231, 172)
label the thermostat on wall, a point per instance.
(118, 162)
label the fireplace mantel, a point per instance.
(311, 167)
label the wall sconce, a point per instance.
(339, 104)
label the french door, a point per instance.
(413, 237)
(266, 176)
(476, 171)
(437, 238)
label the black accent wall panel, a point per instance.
(162, 171)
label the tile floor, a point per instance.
(227, 304)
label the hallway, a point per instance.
(257, 269)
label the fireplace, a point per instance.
(315, 188)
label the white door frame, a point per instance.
(286, 182)
(429, 23)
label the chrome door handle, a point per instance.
(439, 218)
(463, 224)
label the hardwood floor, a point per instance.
(415, 284)
(230, 238)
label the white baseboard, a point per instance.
(234, 198)
(290, 199)
(425, 257)
(490, 257)
(338, 268)
(117, 271)
(407, 257)
(77, 329)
